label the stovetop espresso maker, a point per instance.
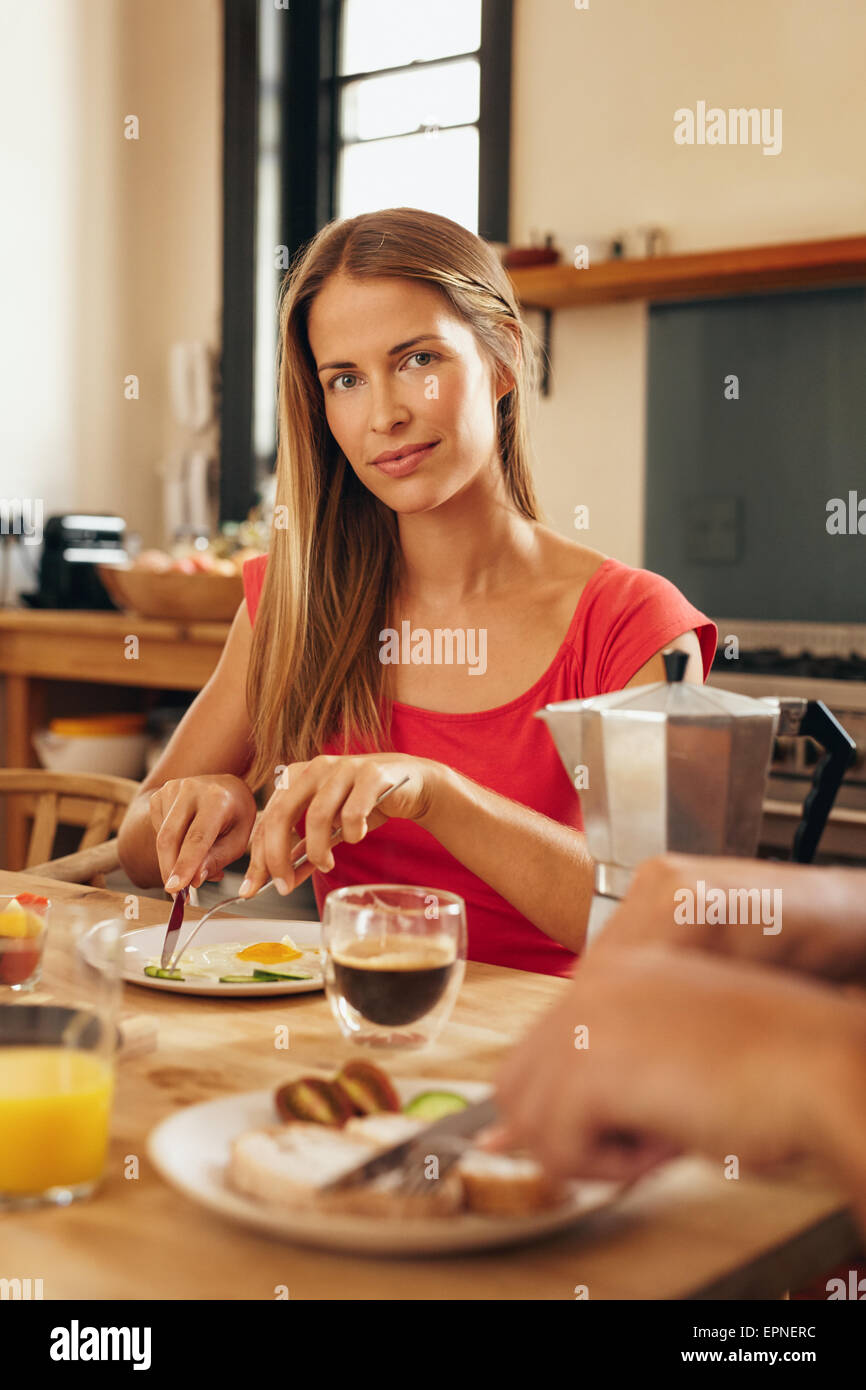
(682, 767)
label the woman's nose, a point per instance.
(387, 409)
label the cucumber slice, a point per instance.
(279, 975)
(241, 980)
(157, 973)
(433, 1105)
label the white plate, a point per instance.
(142, 944)
(191, 1151)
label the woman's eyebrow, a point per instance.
(400, 347)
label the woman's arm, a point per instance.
(538, 865)
(541, 867)
(213, 738)
(654, 669)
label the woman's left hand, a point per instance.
(335, 792)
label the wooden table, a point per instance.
(686, 1232)
(39, 646)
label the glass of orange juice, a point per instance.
(57, 1053)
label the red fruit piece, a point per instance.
(368, 1088)
(17, 966)
(313, 1099)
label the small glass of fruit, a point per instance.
(23, 924)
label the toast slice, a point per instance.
(507, 1184)
(288, 1165)
(285, 1164)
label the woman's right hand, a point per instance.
(201, 824)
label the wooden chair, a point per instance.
(95, 801)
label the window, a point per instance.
(332, 108)
(268, 273)
(409, 106)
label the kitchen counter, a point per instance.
(38, 646)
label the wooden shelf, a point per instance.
(745, 270)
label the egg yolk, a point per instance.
(268, 952)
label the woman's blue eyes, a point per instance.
(350, 376)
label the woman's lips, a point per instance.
(400, 468)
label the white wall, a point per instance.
(593, 153)
(109, 249)
(39, 265)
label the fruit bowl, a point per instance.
(173, 594)
(102, 743)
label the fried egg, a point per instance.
(233, 958)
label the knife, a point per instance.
(463, 1124)
(174, 925)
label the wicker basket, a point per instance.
(189, 597)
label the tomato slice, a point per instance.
(31, 900)
(17, 966)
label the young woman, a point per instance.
(405, 509)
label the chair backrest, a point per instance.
(95, 801)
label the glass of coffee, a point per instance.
(394, 961)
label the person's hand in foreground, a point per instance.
(653, 1051)
(796, 916)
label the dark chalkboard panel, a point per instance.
(737, 490)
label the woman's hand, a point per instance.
(652, 1051)
(201, 824)
(335, 792)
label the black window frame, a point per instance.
(310, 83)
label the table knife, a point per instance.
(174, 925)
(463, 1124)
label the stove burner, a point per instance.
(770, 661)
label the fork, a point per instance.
(336, 837)
(413, 1177)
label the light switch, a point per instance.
(715, 531)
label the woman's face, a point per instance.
(402, 375)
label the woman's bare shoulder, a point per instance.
(572, 563)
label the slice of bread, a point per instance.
(288, 1165)
(507, 1184)
(382, 1130)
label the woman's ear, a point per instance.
(505, 381)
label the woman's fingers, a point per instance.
(203, 830)
(357, 817)
(323, 815)
(331, 793)
(271, 851)
(199, 823)
(184, 834)
(225, 849)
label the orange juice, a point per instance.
(55, 1104)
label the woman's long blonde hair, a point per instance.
(334, 557)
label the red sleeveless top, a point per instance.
(623, 617)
